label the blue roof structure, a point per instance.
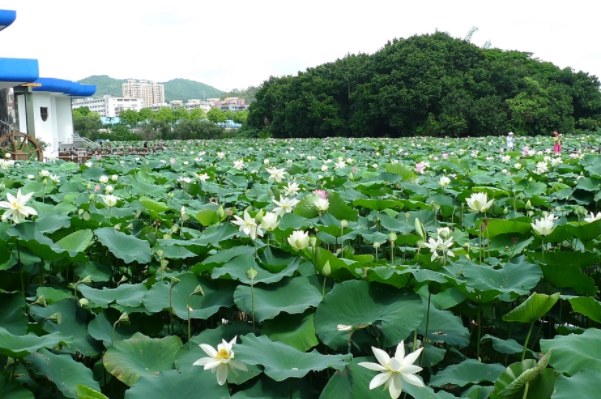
(7, 17)
(15, 71)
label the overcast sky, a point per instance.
(238, 43)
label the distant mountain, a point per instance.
(176, 89)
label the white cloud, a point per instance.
(241, 43)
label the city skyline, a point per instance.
(244, 44)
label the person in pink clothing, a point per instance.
(556, 143)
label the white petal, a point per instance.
(24, 198)
(380, 379)
(28, 211)
(373, 366)
(4, 204)
(396, 386)
(409, 369)
(382, 356)
(412, 357)
(413, 380)
(202, 361)
(222, 374)
(209, 350)
(212, 364)
(10, 197)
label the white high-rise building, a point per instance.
(109, 106)
(151, 92)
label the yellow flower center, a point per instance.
(16, 205)
(222, 354)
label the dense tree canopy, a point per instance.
(429, 85)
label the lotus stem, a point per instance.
(527, 340)
(479, 333)
(252, 296)
(427, 325)
(526, 391)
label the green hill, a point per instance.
(176, 89)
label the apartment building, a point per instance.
(151, 92)
(109, 106)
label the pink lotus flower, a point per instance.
(172, 161)
(420, 167)
(445, 155)
(97, 188)
(355, 169)
(322, 193)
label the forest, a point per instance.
(429, 85)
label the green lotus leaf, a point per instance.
(123, 246)
(237, 267)
(467, 372)
(297, 331)
(340, 210)
(588, 307)
(574, 353)
(353, 383)
(569, 275)
(141, 356)
(586, 383)
(74, 323)
(153, 206)
(84, 392)
(49, 223)
(215, 296)
(401, 170)
(395, 313)
(507, 346)
(130, 295)
(444, 326)
(18, 346)
(532, 309)
(12, 313)
(497, 227)
(282, 361)
(290, 295)
(101, 328)
(266, 388)
(10, 388)
(511, 384)
(306, 207)
(63, 370)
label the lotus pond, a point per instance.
(339, 268)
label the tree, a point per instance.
(181, 113)
(240, 116)
(83, 111)
(166, 114)
(86, 126)
(197, 114)
(145, 114)
(216, 115)
(130, 117)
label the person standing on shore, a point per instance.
(510, 141)
(556, 143)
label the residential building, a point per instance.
(109, 106)
(151, 92)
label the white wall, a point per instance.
(22, 117)
(44, 130)
(64, 119)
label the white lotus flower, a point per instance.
(16, 208)
(545, 225)
(593, 217)
(322, 204)
(443, 232)
(104, 179)
(239, 164)
(541, 167)
(88, 164)
(299, 240)
(395, 370)
(203, 177)
(276, 174)
(270, 221)
(439, 247)
(284, 206)
(339, 164)
(55, 178)
(220, 360)
(518, 166)
(477, 202)
(110, 200)
(114, 177)
(292, 189)
(44, 173)
(221, 155)
(324, 168)
(444, 181)
(248, 225)
(30, 177)
(109, 189)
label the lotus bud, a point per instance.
(259, 216)
(91, 197)
(174, 281)
(117, 227)
(530, 213)
(528, 205)
(198, 290)
(221, 213)
(123, 280)
(251, 274)
(166, 236)
(344, 224)
(419, 229)
(505, 211)
(530, 179)
(159, 252)
(170, 195)
(80, 211)
(376, 245)
(86, 216)
(164, 263)
(313, 241)
(392, 237)
(86, 280)
(56, 317)
(407, 215)
(174, 229)
(41, 300)
(83, 302)
(327, 269)
(44, 182)
(89, 186)
(124, 318)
